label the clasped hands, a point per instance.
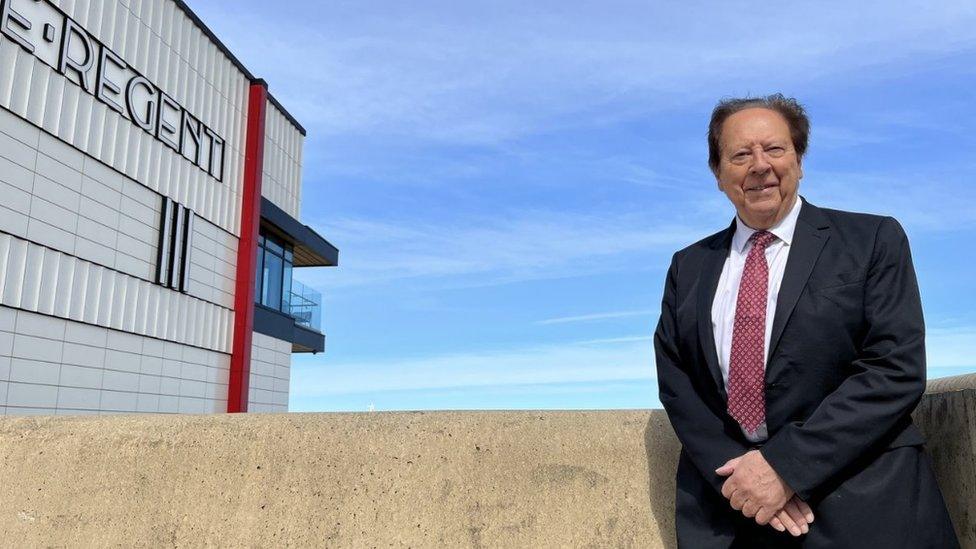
(754, 488)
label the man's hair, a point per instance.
(787, 107)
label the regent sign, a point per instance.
(46, 32)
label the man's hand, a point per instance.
(795, 516)
(754, 487)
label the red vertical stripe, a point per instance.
(240, 359)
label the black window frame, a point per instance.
(271, 246)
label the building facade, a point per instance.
(150, 189)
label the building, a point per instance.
(149, 200)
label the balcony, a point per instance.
(285, 308)
(305, 306)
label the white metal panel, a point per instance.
(113, 216)
(16, 261)
(281, 183)
(32, 277)
(65, 283)
(34, 280)
(4, 252)
(183, 62)
(23, 68)
(8, 58)
(48, 286)
(78, 367)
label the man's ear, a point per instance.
(799, 164)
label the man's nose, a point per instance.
(760, 162)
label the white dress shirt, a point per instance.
(723, 307)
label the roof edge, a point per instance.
(182, 5)
(300, 233)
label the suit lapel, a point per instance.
(711, 270)
(811, 234)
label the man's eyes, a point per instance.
(775, 151)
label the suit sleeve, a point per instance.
(886, 383)
(702, 433)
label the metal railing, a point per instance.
(306, 306)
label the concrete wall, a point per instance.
(947, 416)
(468, 479)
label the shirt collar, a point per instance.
(783, 230)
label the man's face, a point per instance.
(758, 168)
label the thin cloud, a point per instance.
(523, 366)
(520, 246)
(612, 340)
(640, 394)
(596, 316)
(950, 350)
(492, 72)
(900, 194)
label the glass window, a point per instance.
(274, 274)
(271, 290)
(272, 245)
(286, 288)
(258, 275)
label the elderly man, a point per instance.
(790, 354)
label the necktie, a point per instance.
(747, 397)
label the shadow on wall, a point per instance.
(662, 463)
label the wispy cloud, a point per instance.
(492, 71)
(839, 137)
(612, 340)
(613, 366)
(596, 316)
(520, 246)
(620, 394)
(569, 363)
(941, 199)
(609, 360)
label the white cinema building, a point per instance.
(150, 189)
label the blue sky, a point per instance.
(507, 181)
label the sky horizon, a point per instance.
(507, 182)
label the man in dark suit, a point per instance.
(790, 354)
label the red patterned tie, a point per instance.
(747, 397)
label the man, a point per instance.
(790, 354)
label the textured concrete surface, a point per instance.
(445, 479)
(953, 383)
(948, 420)
(471, 479)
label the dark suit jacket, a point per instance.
(845, 368)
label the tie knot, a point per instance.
(762, 238)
